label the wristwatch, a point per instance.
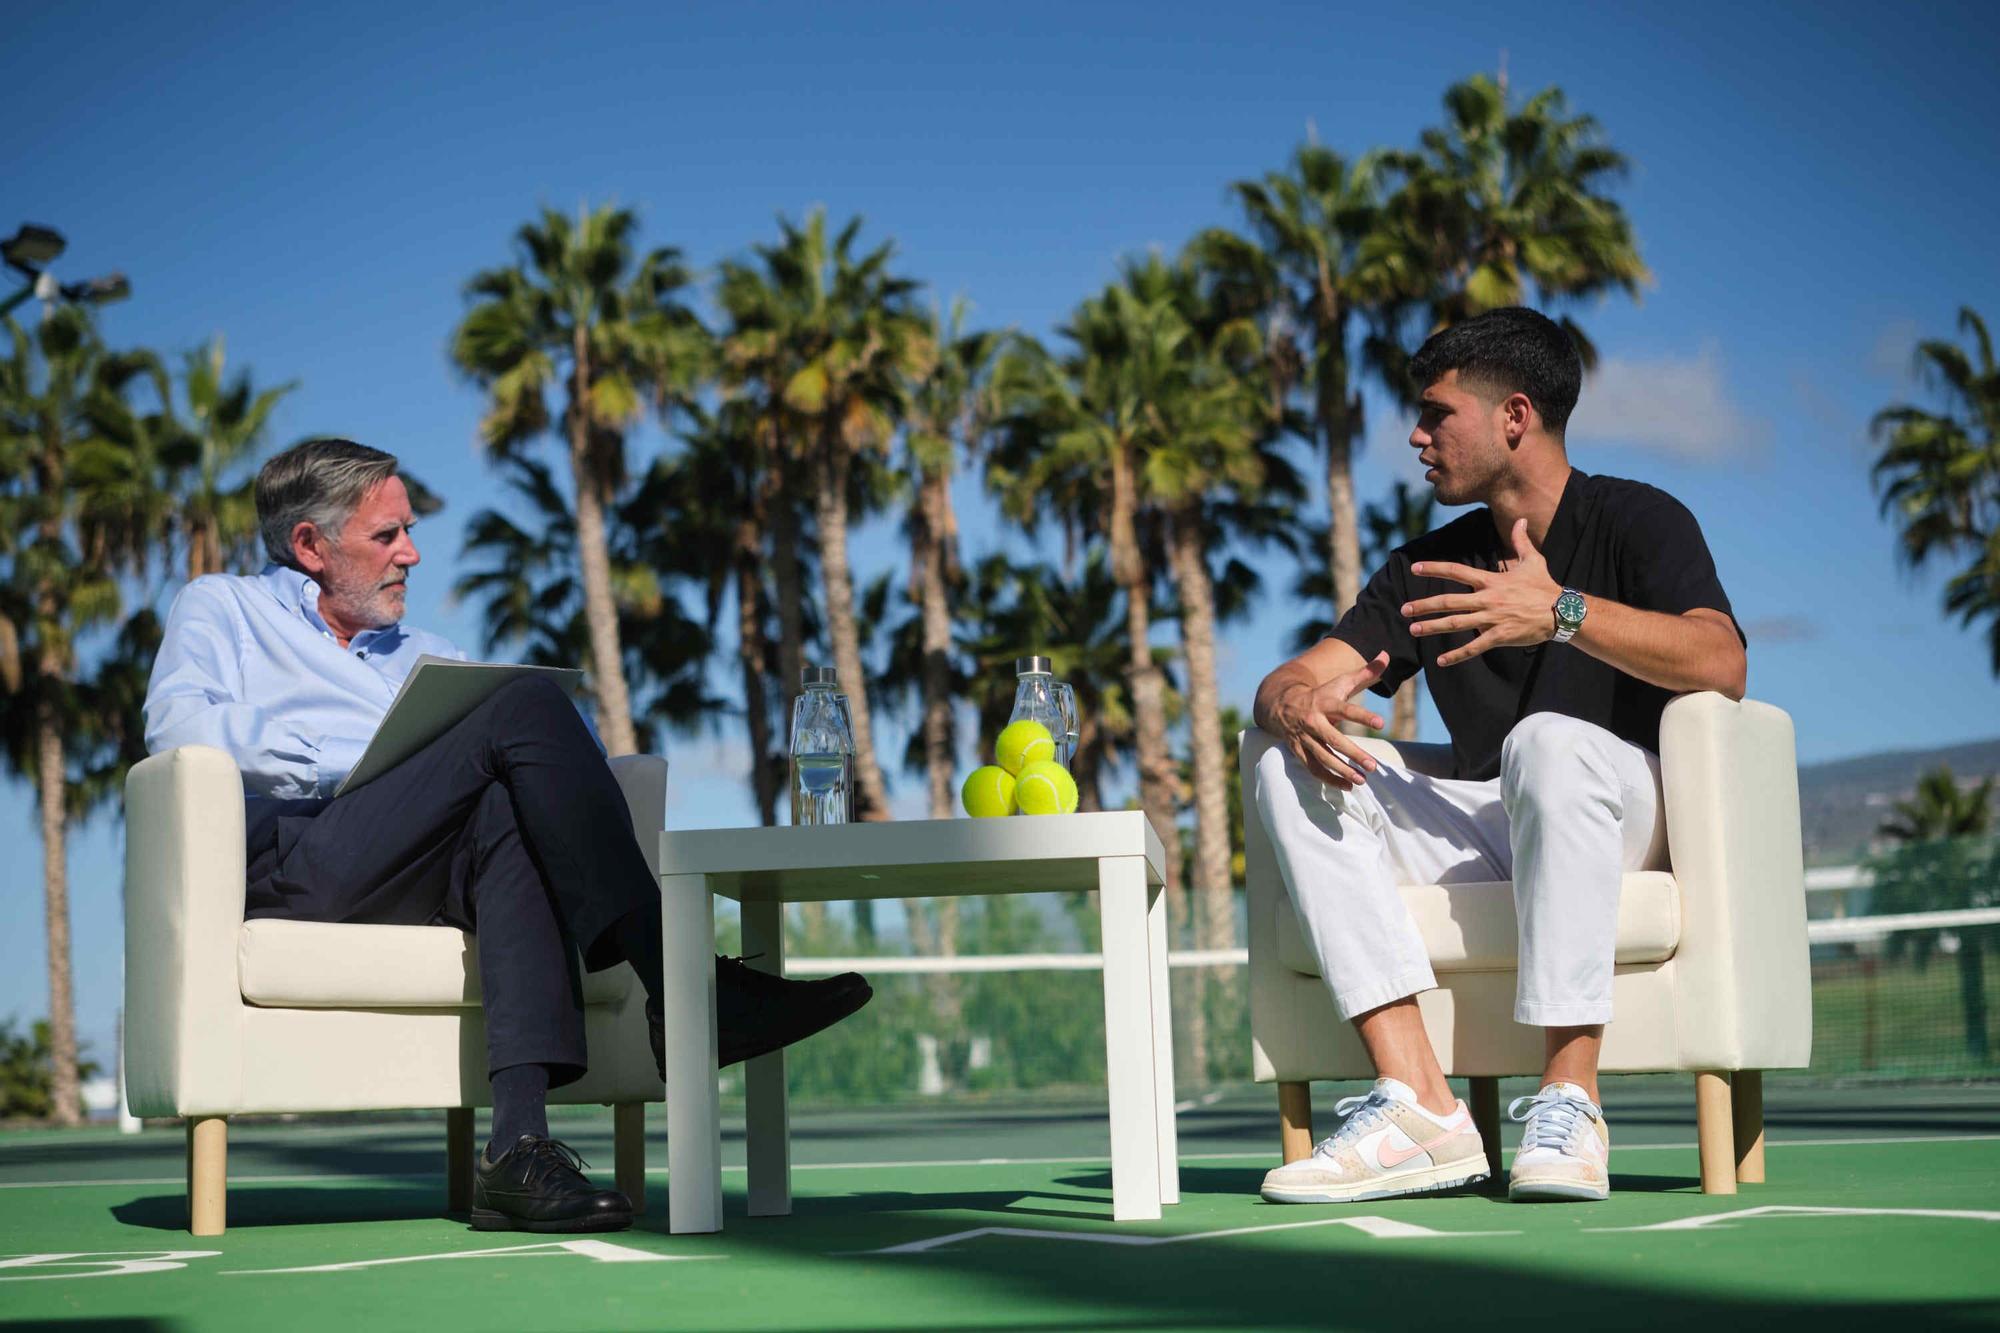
(1570, 609)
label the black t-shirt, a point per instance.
(1623, 540)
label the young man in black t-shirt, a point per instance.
(1552, 625)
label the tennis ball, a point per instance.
(1023, 743)
(987, 792)
(1045, 788)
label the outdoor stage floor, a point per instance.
(896, 1211)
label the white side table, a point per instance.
(1117, 853)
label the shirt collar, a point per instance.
(1559, 542)
(299, 591)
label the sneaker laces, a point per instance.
(1552, 1117)
(548, 1157)
(1359, 1115)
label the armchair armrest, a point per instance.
(184, 889)
(643, 779)
(1730, 774)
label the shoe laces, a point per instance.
(1552, 1117)
(1359, 1115)
(548, 1157)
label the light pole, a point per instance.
(29, 252)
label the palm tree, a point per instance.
(222, 428)
(1494, 200)
(72, 516)
(575, 309)
(1307, 270)
(1948, 860)
(1939, 474)
(525, 577)
(951, 409)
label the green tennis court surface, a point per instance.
(1884, 1203)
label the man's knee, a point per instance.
(1549, 752)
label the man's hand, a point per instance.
(1305, 719)
(1514, 608)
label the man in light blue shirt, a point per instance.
(510, 824)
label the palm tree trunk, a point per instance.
(1337, 417)
(1215, 899)
(751, 656)
(1972, 992)
(786, 569)
(931, 563)
(1403, 715)
(830, 508)
(66, 1102)
(1149, 715)
(600, 611)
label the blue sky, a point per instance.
(1814, 188)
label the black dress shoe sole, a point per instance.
(750, 1046)
(487, 1219)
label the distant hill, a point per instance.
(1842, 802)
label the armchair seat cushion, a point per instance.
(1471, 927)
(312, 965)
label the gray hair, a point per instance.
(321, 482)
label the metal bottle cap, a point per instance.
(819, 675)
(1025, 665)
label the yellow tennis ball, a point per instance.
(1022, 743)
(1045, 788)
(987, 792)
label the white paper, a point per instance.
(435, 697)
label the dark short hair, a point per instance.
(321, 482)
(1511, 350)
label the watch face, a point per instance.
(1569, 608)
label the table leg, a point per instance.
(1129, 1044)
(694, 1116)
(768, 1131)
(1163, 1047)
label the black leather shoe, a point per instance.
(539, 1185)
(757, 1013)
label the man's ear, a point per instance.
(1520, 416)
(309, 547)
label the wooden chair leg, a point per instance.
(208, 1174)
(1715, 1132)
(1486, 1119)
(1295, 1121)
(458, 1152)
(1746, 1106)
(628, 1137)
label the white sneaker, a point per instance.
(1387, 1145)
(1565, 1151)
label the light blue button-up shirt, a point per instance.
(249, 666)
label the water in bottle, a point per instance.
(822, 752)
(1035, 699)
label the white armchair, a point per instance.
(1711, 977)
(226, 1017)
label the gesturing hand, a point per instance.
(1513, 608)
(1306, 719)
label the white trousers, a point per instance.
(1573, 809)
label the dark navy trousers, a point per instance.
(510, 825)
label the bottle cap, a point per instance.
(819, 675)
(1025, 665)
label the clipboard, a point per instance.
(435, 697)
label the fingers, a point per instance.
(1451, 573)
(1448, 625)
(1451, 601)
(1490, 639)
(1523, 546)
(1326, 764)
(1353, 712)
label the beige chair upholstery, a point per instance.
(1712, 974)
(226, 1017)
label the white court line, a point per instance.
(1769, 1143)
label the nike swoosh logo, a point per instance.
(1393, 1156)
